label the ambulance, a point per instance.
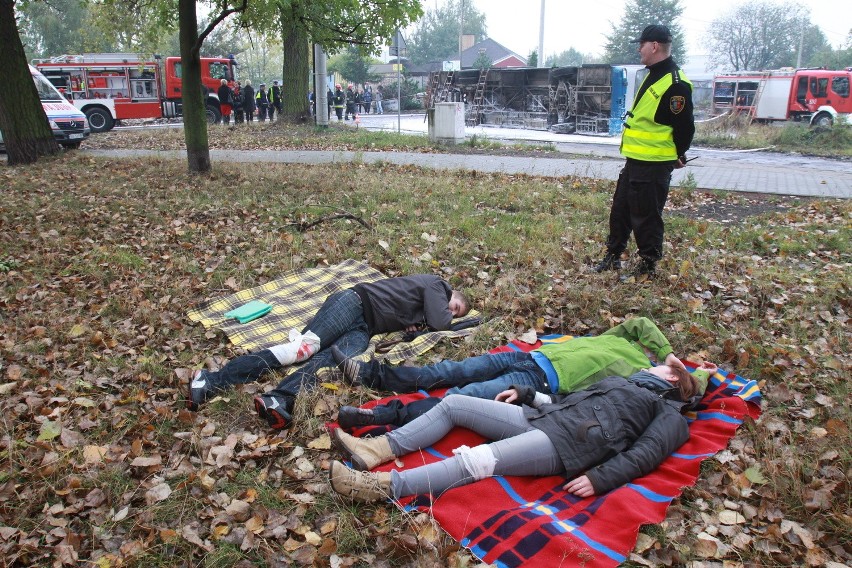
(68, 124)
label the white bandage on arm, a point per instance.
(478, 461)
(540, 399)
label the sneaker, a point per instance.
(609, 262)
(350, 368)
(198, 390)
(273, 409)
(349, 417)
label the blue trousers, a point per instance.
(484, 376)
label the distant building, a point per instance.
(500, 56)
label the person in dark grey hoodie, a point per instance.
(346, 320)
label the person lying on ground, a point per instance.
(562, 368)
(346, 321)
(598, 438)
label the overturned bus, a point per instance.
(589, 99)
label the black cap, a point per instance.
(655, 33)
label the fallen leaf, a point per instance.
(728, 517)
(149, 461)
(49, 430)
(158, 493)
(321, 443)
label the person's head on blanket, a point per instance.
(670, 382)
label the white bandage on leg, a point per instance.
(299, 348)
(479, 461)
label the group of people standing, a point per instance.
(244, 102)
(355, 101)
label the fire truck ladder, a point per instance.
(478, 96)
(119, 58)
(761, 86)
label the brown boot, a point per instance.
(364, 453)
(364, 486)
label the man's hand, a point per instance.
(509, 395)
(581, 487)
(673, 361)
(411, 328)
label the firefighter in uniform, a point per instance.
(274, 100)
(339, 101)
(262, 102)
(657, 133)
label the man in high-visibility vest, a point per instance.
(657, 133)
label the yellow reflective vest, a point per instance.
(643, 138)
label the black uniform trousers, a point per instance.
(637, 207)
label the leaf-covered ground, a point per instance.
(100, 463)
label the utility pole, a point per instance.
(801, 47)
(541, 38)
(398, 82)
(320, 87)
(461, 30)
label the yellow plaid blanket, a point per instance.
(295, 297)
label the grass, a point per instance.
(737, 132)
(119, 259)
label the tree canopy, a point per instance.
(637, 15)
(353, 66)
(334, 25)
(760, 35)
(436, 35)
(569, 58)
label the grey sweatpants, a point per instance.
(520, 449)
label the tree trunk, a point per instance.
(26, 132)
(194, 115)
(294, 38)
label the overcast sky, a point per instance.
(583, 24)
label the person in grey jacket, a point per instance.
(598, 438)
(346, 320)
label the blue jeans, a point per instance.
(483, 377)
(339, 321)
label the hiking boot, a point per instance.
(199, 390)
(364, 453)
(273, 409)
(609, 262)
(349, 417)
(364, 486)
(644, 270)
(350, 368)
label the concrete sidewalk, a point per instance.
(578, 155)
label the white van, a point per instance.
(68, 124)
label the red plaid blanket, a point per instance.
(531, 521)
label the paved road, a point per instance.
(587, 156)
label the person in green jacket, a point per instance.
(554, 368)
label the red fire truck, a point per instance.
(109, 87)
(818, 96)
